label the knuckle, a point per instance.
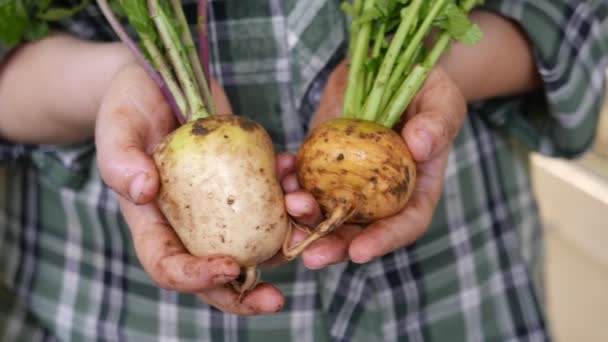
(448, 126)
(162, 274)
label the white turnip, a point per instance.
(219, 188)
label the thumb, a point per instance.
(133, 118)
(440, 113)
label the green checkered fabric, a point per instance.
(69, 271)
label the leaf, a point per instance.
(383, 7)
(44, 4)
(117, 8)
(471, 36)
(475, 2)
(13, 21)
(59, 13)
(28, 19)
(373, 64)
(139, 17)
(369, 15)
(348, 8)
(37, 30)
(456, 22)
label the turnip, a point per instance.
(219, 188)
(358, 167)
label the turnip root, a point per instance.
(357, 167)
(357, 170)
(219, 188)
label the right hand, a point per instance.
(438, 110)
(133, 118)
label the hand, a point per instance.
(133, 118)
(431, 123)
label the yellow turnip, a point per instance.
(357, 167)
(357, 170)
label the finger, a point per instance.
(387, 235)
(278, 259)
(436, 116)
(165, 258)
(332, 101)
(264, 299)
(331, 249)
(303, 207)
(290, 183)
(286, 164)
(132, 119)
(222, 104)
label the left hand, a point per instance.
(134, 117)
(431, 123)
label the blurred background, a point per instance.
(573, 199)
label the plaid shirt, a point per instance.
(70, 271)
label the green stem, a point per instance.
(163, 68)
(180, 65)
(371, 109)
(406, 93)
(358, 7)
(370, 75)
(193, 56)
(379, 40)
(414, 82)
(352, 102)
(366, 80)
(369, 82)
(401, 69)
(361, 84)
(441, 45)
(407, 59)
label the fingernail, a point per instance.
(136, 188)
(424, 142)
(297, 207)
(316, 262)
(290, 183)
(361, 260)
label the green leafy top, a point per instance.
(30, 19)
(165, 48)
(390, 56)
(137, 12)
(139, 17)
(165, 41)
(455, 21)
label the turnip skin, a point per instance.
(219, 190)
(358, 171)
(358, 162)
